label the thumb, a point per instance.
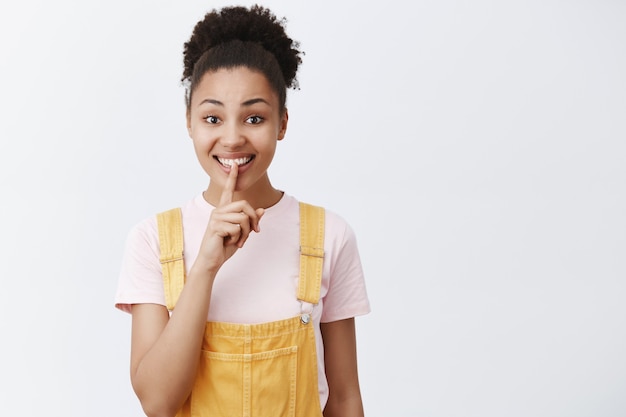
(259, 213)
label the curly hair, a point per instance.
(237, 36)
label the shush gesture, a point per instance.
(238, 64)
(230, 225)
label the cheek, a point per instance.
(270, 150)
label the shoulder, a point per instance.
(331, 217)
(337, 230)
(337, 223)
(146, 230)
(337, 227)
(143, 233)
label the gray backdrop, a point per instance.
(477, 148)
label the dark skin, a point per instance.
(341, 369)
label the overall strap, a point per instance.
(311, 252)
(170, 224)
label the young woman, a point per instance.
(243, 300)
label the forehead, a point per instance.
(234, 85)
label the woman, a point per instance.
(256, 316)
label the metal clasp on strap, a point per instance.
(306, 311)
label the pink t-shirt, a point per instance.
(258, 283)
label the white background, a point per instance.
(476, 147)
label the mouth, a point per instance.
(238, 161)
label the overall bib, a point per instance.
(254, 370)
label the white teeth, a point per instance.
(238, 161)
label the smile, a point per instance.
(238, 161)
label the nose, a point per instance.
(232, 136)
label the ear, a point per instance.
(188, 117)
(283, 125)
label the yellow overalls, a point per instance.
(254, 370)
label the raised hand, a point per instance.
(230, 225)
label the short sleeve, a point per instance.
(140, 280)
(347, 294)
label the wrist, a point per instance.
(204, 270)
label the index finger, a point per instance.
(229, 187)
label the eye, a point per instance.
(212, 119)
(255, 120)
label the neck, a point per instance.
(260, 195)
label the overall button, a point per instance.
(305, 318)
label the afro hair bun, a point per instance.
(257, 24)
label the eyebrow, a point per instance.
(246, 103)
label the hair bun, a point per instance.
(257, 24)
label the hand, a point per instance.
(230, 225)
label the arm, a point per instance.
(165, 351)
(340, 359)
